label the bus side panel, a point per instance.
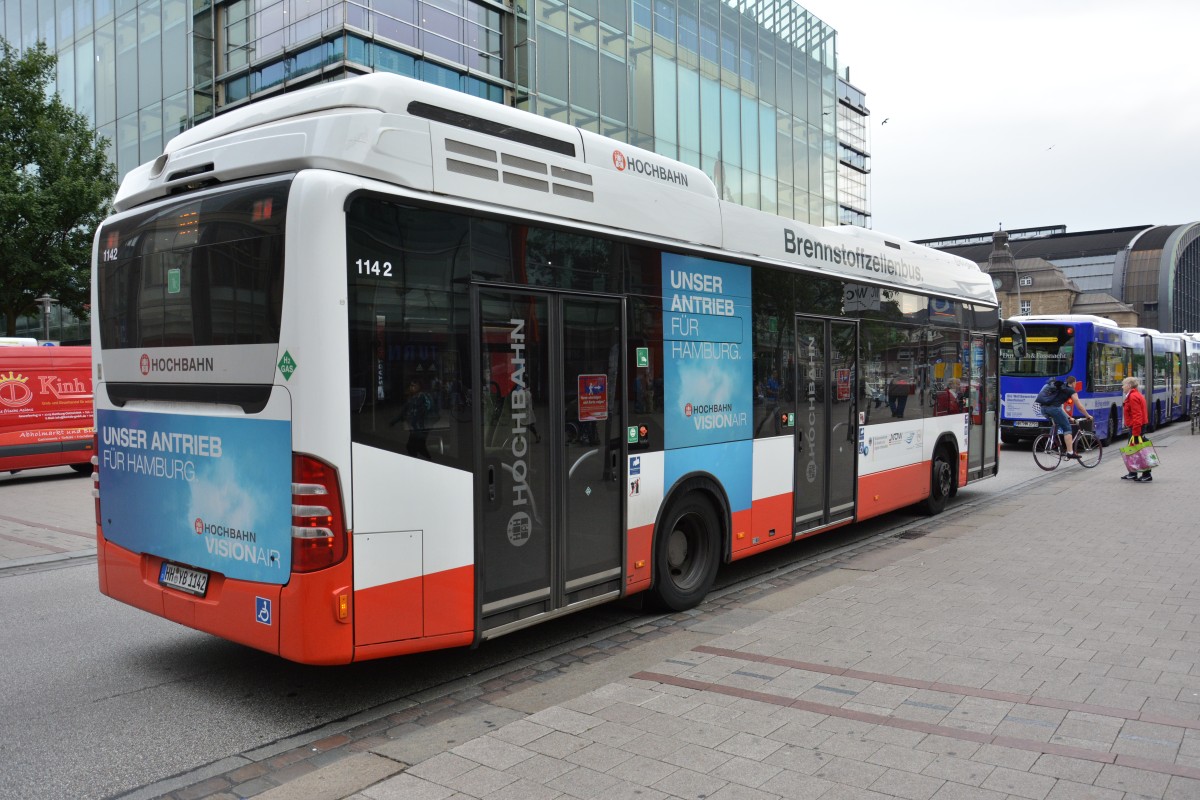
(389, 589)
(771, 496)
(881, 492)
(644, 500)
(419, 581)
(443, 618)
(638, 550)
(893, 463)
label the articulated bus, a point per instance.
(1100, 354)
(384, 368)
(1168, 379)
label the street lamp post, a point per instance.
(46, 300)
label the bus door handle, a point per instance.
(491, 484)
(613, 461)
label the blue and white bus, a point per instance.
(1167, 384)
(1100, 354)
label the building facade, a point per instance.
(1149, 271)
(854, 157)
(747, 90)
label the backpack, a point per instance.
(1054, 393)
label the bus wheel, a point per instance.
(686, 554)
(1112, 428)
(83, 469)
(941, 482)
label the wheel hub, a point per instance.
(677, 550)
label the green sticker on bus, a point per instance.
(287, 366)
(631, 434)
(174, 283)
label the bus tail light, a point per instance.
(96, 475)
(319, 537)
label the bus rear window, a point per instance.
(203, 271)
(1050, 352)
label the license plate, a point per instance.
(192, 581)
(1024, 423)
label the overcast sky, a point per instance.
(1084, 113)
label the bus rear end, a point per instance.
(205, 513)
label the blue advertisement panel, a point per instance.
(732, 464)
(707, 358)
(210, 492)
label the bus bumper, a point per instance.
(1010, 432)
(299, 621)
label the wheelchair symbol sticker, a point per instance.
(262, 610)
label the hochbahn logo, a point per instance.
(201, 527)
(175, 364)
(236, 544)
(709, 416)
(648, 168)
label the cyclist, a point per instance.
(1051, 399)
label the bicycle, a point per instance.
(1048, 448)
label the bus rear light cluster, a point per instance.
(319, 536)
(96, 475)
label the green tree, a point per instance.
(55, 187)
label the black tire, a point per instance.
(941, 482)
(1112, 428)
(1008, 438)
(687, 553)
(83, 469)
(1043, 455)
(1087, 446)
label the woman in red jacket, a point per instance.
(1135, 417)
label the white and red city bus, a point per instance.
(384, 368)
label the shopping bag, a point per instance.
(1140, 457)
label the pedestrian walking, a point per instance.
(1134, 410)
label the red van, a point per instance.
(46, 408)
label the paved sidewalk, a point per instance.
(55, 518)
(1047, 647)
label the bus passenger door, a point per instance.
(551, 440)
(826, 423)
(984, 412)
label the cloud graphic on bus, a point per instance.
(227, 495)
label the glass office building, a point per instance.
(747, 90)
(854, 159)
